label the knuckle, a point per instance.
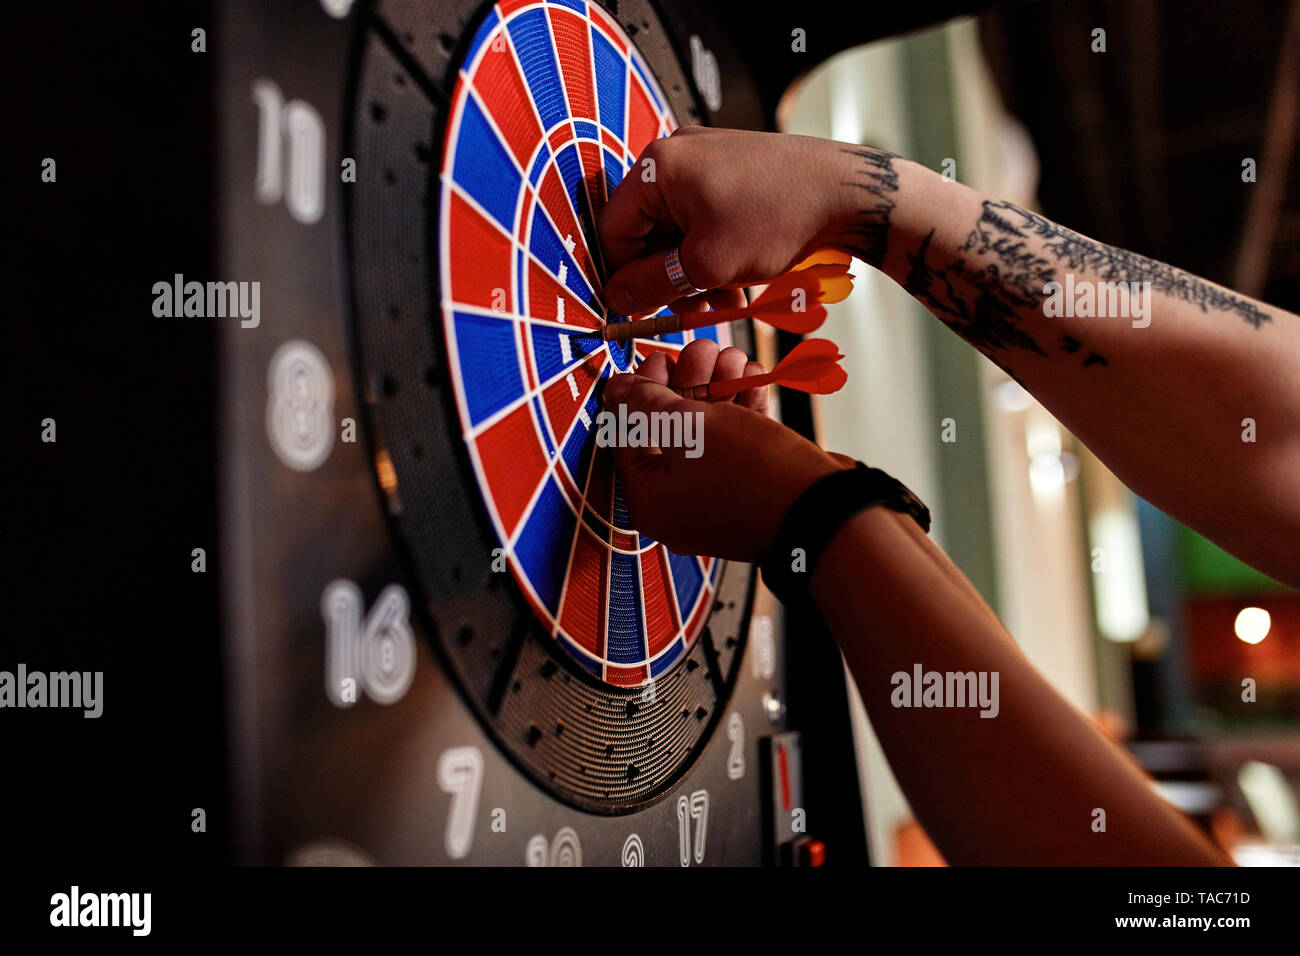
(641, 288)
(699, 346)
(654, 149)
(705, 272)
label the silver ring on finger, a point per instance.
(677, 275)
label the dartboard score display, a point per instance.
(417, 512)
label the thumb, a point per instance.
(636, 397)
(643, 395)
(640, 286)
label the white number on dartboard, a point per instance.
(376, 654)
(564, 850)
(290, 153)
(708, 78)
(300, 405)
(460, 773)
(633, 851)
(694, 808)
(736, 734)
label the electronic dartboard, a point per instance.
(447, 641)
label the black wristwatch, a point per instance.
(820, 512)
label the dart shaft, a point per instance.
(642, 328)
(672, 322)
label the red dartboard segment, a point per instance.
(643, 121)
(573, 49)
(566, 398)
(662, 620)
(499, 86)
(555, 201)
(551, 107)
(583, 613)
(512, 463)
(480, 254)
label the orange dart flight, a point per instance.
(792, 302)
(812, 366)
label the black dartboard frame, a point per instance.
(598, 747)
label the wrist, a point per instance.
(874, 195)
(810, 470)
(818, 516)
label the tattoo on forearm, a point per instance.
(974, 303)
(981, 297)
(1003, 227)
(869, 233)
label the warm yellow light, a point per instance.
(1252, 624)
(385, 471)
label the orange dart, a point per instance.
(812, 366)
(777, 314)
(792, 302)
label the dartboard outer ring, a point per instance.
(601, 748)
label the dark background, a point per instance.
(99, 526)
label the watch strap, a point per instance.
(819, 513)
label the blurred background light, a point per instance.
(1252, 624)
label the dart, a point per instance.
(792, 302)
(812, 366)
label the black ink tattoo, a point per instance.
(870, 231)
(975, 303)
(981, 297)
(1003, 227)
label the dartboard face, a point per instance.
(600, 661)
(552, 107)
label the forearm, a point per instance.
(1160, 392)
(1020, 787)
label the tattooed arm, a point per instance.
(1189, 392)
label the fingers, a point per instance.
(691, 303)
(717, 299)
(730, 364)
(658, 368)
(640, 394)
(640, 286)
(726, 298)
(755, 398)
(701, 362)
(635, 210)
(695, 364)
